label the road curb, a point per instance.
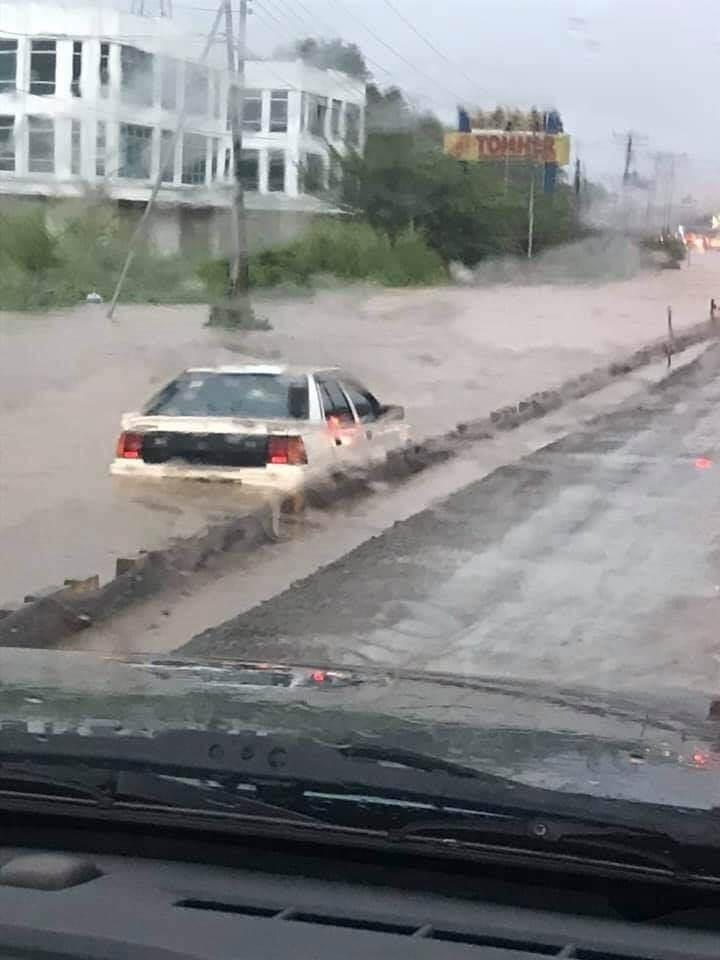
(47, 619)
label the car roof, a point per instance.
(275, 369)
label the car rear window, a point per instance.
(255, 396)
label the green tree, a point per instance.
(327, 55)
(385, 184)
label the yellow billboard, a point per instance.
(494, 145)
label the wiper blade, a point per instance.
(410, 759)
(606, 842)
(361, 787)
(132, 789)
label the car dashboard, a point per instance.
(275, 904)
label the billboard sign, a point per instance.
(493, 145)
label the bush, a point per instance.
(40, 270)
(27, 242)
(346, 250)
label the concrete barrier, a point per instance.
(48, 619)
(52, 615)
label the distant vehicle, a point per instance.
(269, 426)
(695, 241)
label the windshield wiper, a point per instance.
(568, 838)
(285, 782)
(130, 789)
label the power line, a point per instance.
(428, 42)
(157, 185)
(309, 27)
(297, 17)
(395, 53)
(272, 69)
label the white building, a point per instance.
(92, 97)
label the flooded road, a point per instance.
(447, 354)
(593, 561)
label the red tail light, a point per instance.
(287, 450)
(129, 446)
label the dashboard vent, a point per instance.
(566, 951)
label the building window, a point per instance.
(8, 65)
(276, 171)
(226, 166)
(317, 107)
(335, 116)
(353, 114)
(100, 148)
(135, 151)
(7, 143)
(216, 94)
(278, 111)
(303, 110)
(41, 145)
(334, 173)
(168, 84)
(136, 71)
(250, 170)
(167, 156)
(252, 111)
(76, 68)
(104, 69)
(215, 152)
(313, 173)
(75, 148)
(42, 68)
(194, 161)
(232, 101)
(196, 89)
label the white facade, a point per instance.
(90, 97)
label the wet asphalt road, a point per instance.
(594, 560)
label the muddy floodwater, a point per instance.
(447, 354)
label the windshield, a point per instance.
(251, 396)
(372, 347)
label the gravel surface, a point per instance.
(593, 561)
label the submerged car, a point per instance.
(273, 426)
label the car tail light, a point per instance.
(288, 450)
(129, 446)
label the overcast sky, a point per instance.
(607, 65)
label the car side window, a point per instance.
(335, 402)
(366, 405)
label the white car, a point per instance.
(269, 426)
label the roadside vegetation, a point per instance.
(408, 215)
(42, 267)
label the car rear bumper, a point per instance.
(285, 478)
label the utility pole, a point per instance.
(164, 8)
(531, 214)
(628, 156)
(670, 194)
(667, 164)
(531, 203)
(137, 233)
(236, 310)
(630, 141)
